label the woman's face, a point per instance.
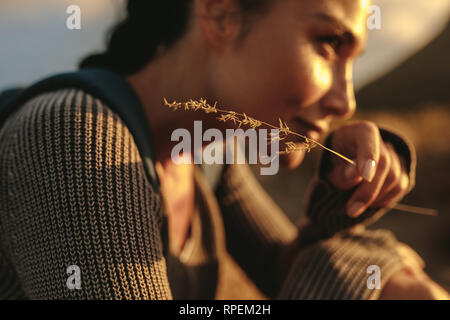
(295, 64)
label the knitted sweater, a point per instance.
(73, 192)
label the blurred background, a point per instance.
(402, 80)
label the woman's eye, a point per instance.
(333, 42)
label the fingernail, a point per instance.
(368, 171)
(355, 209)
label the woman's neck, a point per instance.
(178, 75)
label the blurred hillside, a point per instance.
(422, 79)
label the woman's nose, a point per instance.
(340, 99)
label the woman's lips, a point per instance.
(308, 129)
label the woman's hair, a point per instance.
(150, 25)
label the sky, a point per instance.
(35, 41)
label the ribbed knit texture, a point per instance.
(77, 195)
(74, 192)
(336, 268)
(272, 252)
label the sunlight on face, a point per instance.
(320, 73)
(361, 26)
(295, 64)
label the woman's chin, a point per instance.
(292, 160)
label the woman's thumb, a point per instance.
(345, 176)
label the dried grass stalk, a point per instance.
(241, 119)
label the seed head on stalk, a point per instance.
(240, 119)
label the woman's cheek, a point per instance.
(321, 74)
(315, 81)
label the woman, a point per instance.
(86, 200)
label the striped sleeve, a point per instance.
(354, 265)
(79, 218)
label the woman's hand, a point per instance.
(379, 174)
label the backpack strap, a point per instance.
(6, 97)
(107, 86)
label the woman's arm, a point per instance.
(329, 258)
(78, 196)
(260, 236)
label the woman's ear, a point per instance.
(219, 21)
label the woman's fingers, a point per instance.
(345, 176)
(396, 183)
(391, 183)
(379, 175)
(367, 191)
(395, 194)
(368, 143)
(361, 141)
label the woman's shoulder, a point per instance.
(65, 119)
(72, 109)
(71, 129)
(61, 104)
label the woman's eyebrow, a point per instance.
(342, 28)
(338, 24)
